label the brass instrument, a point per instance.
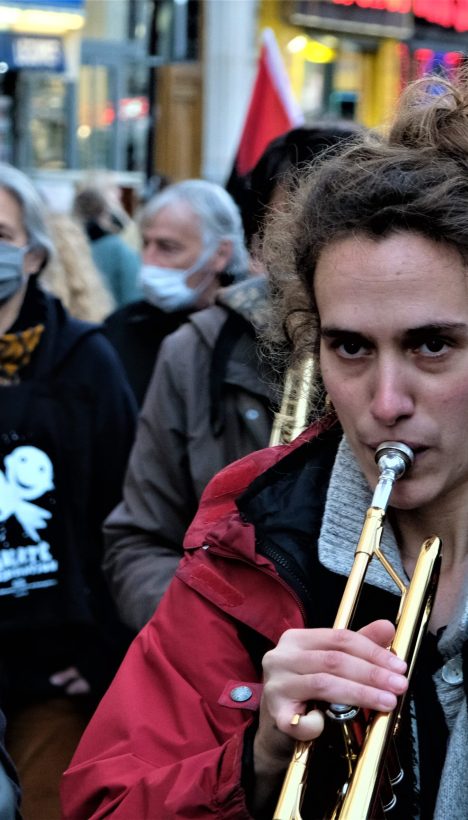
(371, 761)
(292, 417)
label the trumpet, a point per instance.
(291, 419)
(368, 744)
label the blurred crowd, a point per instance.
(131, 372)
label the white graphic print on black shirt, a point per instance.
(28, 475)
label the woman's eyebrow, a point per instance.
(335, 332)
(430, 327)
(438, 328)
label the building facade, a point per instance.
(350, 59)
(145, 87)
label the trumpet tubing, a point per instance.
(293, 416)
(369, 751)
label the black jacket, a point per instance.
(136, 331)
(65, 433)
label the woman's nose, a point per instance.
(392, 394)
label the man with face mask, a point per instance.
(193, 242)
(66, 425)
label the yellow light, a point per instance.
(37, 21)
(316, 52)
(297, 44)
(8, 16)
(83, 132)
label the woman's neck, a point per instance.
(449, 521)
(451, 525)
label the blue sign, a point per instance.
(30, 52)
(50, 5)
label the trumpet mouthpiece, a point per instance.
(394, 457)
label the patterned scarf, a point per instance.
(16, 350)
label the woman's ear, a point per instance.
(33, 261)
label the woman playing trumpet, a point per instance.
(202, 718)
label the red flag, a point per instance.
(272, 110)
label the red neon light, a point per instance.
(461, 16)
(453, 58)
(397, 6)
(107, 116)
(423, 55)
(447, 13)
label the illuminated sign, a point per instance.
(52, 5)
(378, 18)
(24, 51)
(396, 6)
(31, 52)
(384, 18)
(448, 13)
(133, 108)
(428, 61)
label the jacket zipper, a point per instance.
(276, 558)
(280, 559)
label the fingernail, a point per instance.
(387, 700)
(397, 682)
(397, 664)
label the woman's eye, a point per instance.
(351, 348)
(433, 347)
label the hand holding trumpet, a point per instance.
(320, 665)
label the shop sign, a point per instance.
(394, 6)
(48, 5)
(447, 13)
(378, 18)
(30, 52)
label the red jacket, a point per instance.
(167, 739)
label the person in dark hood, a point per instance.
(193, 243)
(66, 425)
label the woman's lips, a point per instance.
(414, 445)
(418, 449)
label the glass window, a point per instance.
(42, 120)
(96, 117)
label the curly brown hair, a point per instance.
(413, 179)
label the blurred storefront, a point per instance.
(82, 83)
(148, 87)
(350, 59)
(39, 62)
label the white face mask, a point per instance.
(167, 289)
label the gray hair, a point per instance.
(218, 214)
(32, 207)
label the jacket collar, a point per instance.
(237, 494)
